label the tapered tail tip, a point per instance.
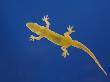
(105, 73)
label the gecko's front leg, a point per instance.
(70, 30)
(65, 52)
(35, 38)
(45, 19)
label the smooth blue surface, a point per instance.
(22, 60)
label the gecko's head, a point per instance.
(29, 24)
(34, 27)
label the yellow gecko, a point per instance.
(63, 41)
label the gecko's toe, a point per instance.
(64, 54)
(67, 53)
(32, 38)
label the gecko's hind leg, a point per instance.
(45, 19)
(65, 52)
(35, 38)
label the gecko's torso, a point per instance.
(64, 41)
(50, 35)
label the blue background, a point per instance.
(22, 60)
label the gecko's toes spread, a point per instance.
(65, 54)
(70, 28)
(45, 18)
(32, 38)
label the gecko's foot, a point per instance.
(46, 18)
(32, 38)
(70, 29)
(65, 54)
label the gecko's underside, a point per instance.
(64, 41)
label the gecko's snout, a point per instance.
(30, 24)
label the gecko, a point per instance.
(64, 41)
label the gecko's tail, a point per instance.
(84, 48)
